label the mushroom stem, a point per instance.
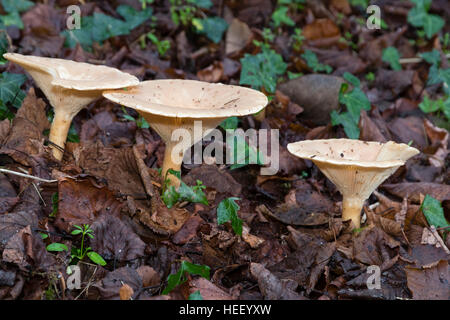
(58, 132)
(170, 162)
(351, 210)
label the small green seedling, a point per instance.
(171, 196)
(83, 251)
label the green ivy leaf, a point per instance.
(227, 211)
(280, 17)
(313, 62)
(391, 56)
(196, 296)
(433, 211)
(213, 28)
(262, 70)
(96, 258)
(178, 278)
(10, 84)
(204, 4)
(193, 194)
(133, 17)
(355, 100)
(57, 247)
(100, 27)
(416, 16)
(16, 5)
(230, 123)
(4, 45)
(432, 57)
(243, 153)
(345, 119)
(432, 24)
(354, 81)
(12, 19)
(428, 105)
(106, 27)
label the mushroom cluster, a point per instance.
(168, 105)
(69, 87)
(355, 167)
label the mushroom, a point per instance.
(356, 167)
(168, 105)
(69, 86)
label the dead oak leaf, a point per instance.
(26, 249)
(373, 246)
(11, 223)
(81, 202)
(117, 166)
(116, 240)
(429, 283)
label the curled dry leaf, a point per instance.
(26, 249)
(321, 28)
(252, 240)
(439, 142)
(116, 240)
(149, 276)
(188, 231)
(126, 292)
(369, 129)
(11, 223)
(238, 36)
(212, 73)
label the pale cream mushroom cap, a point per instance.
(74, 75)
(69, 86)
(190, 99)
(356, 167)
(168, 105)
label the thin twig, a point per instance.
(35, 187)
(26, 176)
(439, 239)
(417, 59)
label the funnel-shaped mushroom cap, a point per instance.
(190, 99)
(168, 105)
(356, 167)
(173, 104)
(69, 86)
(69, 74)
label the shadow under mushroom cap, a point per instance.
(348, 152)
(190, 99)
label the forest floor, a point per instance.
(104, 207)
